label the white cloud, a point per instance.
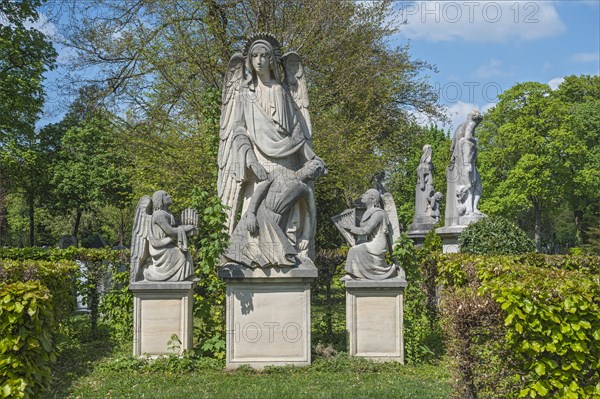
(585, 57)
(554, 83)
(458, 113)
(491, 69)
(480, 21)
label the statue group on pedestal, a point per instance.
(463, 179)
(267, 166)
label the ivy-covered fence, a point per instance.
(522, 326)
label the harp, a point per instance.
(349, 215)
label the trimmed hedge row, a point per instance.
(523, 326)
(26, 322)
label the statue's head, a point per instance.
(475, 116)
(161, 200)
(293, 66)
(314, 169)
(263, 46)
(427, 152)
(371, 198)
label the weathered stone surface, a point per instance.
(449, 236)
(367, 260)
(161, 310)
(159, 246)
(463, 179)
(374, 318)
(427, 200)
(267, 166)
(268, 316)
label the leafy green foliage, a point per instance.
(422, 332)
(26, 352)
(116, 305)
(209, 296)
(494, 235)
(57, 276)
(523, 326)
(539, 152)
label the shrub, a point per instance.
(422, 331)
(57, 276)
(26, 352)
(494, 235)
(209, 296)
(523, 325)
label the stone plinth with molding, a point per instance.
(374, 318)
(268, 315)
(161, 310)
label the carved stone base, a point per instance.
(160, 310)
(374, 319)
(449, 237)
(267, 315)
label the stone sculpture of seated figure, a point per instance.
(368, 260)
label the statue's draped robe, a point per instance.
(273, 245)
(367, 260)
(170, 259)
(265, 121)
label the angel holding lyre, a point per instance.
(159, 246)
(264, 130)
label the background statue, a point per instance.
(159, 247)
(367, 260)
(427, 199)
(464, 181)
(265, 131)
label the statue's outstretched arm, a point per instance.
(371, 225)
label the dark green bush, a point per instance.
(26, 352)
(522, 326)
(494, 235)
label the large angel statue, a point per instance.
(159, 246)
(265, 131)
(367, 256)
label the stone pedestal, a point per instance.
(374, 318)
(449, 236)
(268, 315)
(161, 309)
(418, 236)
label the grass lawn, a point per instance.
(327, 378)
(100, 368)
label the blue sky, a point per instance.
(484, 47)
(479, 47)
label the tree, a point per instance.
(168, 57)
(92, 168)
(537, 156)
(25, 54)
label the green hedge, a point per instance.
(523, 326)
(57, 276)
(26, 322)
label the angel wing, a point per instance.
(139, 238)
(295, 82)
(392, 218)
(228, 184)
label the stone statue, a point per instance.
(427, 199)
(159, 246)
(260, 238)
(265, 133)
(464, 182)
(367, 260)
